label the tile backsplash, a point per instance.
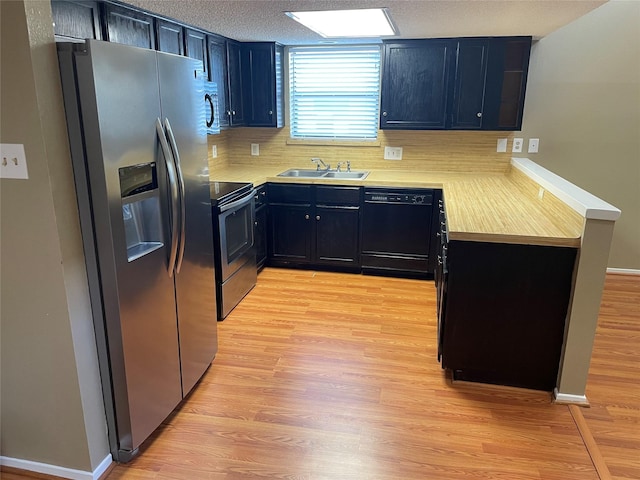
(421, 150)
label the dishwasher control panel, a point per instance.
(411, 197)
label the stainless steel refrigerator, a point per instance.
(139, 151)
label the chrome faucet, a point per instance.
(347, 163)
(319, 161)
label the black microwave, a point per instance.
(212, 109)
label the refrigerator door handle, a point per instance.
(176, 156)
(173, 186)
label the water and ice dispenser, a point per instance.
(141, 209)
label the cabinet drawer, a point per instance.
(289, 193)
(332, 195)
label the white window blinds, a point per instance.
(334, 91)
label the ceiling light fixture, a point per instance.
(368, 22)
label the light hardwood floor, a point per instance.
(325, 376)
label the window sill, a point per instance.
(333, 142)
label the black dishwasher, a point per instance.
(396, 231)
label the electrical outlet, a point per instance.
(13, 162)
(517, 145)
(214, 151)
(502, 145)
(255, 149)
(393, 153)
(533, 145)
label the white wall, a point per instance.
(583, 102)
(51, 402)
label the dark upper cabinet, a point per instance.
(218, 74)
(508, 65)
(130, 27)
(169, 37)
(263, 71)
(460, 84)
(235, 111)
(195, 46)
(469, 84)
(415, 76)
(76, 20)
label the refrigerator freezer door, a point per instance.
(181, 93)
(120, 105)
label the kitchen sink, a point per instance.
(308, 173)
(346, 175)
(296, 172)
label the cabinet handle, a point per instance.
(233, 112)
(479, 114)
(317, 217)
(384, 114)
(229, 112)
(306, 217)
(255, 223)
(270, 112)
(264, 194)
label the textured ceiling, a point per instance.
(263, 20)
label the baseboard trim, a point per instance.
(623, 271)
(569, 399)
(55, 470)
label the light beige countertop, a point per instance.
(490, 207)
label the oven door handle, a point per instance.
(173, 187)
(249, 197)
(183, 213)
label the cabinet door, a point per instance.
(507, 70)
(169, 37)
(289, 232)
(469, 81)
(414, 84)
(218, 74)
(76, 19)
(196, 47)
(262, 65)
(129, 27)
(337, 235)
(234, 66)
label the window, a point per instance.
(334, 92)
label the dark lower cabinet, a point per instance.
(504, 312)
(130, 27)
(76, 20)
(336, 235)
(314, 225)
(289, 233)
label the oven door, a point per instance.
(236, 222)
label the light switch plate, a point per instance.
(393, 153)
(13, 161)
(533, 145)
(517, 145)
(255, 149)
(502, 145)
